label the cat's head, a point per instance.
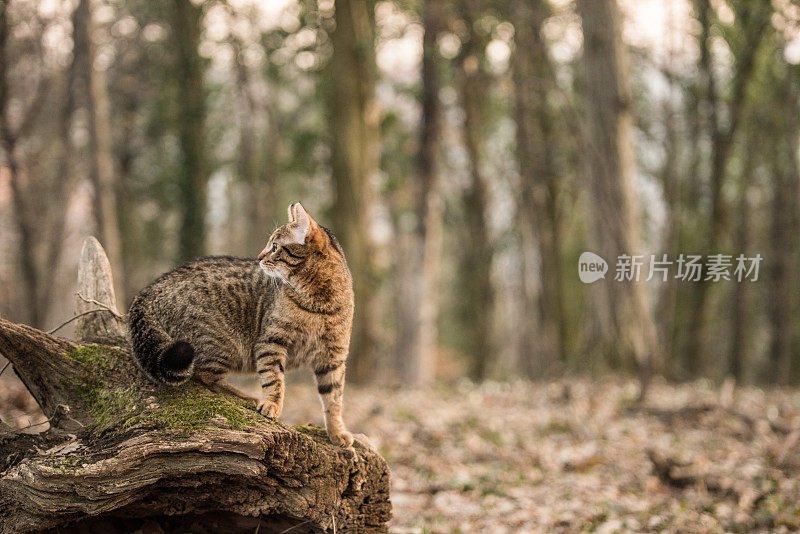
(301, 250)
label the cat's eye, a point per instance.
(274, 247)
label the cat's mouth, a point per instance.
(269, 269)
(272, 271)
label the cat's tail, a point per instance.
(163, 358)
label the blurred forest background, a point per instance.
(465, 152)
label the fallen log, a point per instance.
(124, 454)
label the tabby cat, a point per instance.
(292, 307)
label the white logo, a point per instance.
(591, 267)
(690, 267)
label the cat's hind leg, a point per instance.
(217, 354)
(218, 384)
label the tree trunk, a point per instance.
(670, 177)
(96, 292)
(418, 336)
(792, 153)
(784, 230)
(40, 212)
(193, 171)
(101, 162)
(61, 192)
(721, 142)
(257, 160)
(354, 161)
(26, 230)
(741, 306)
(536, 144)
(22, 213)
(124, 454)
(128, 217)
(612, 164)
(477, 251)
(781, 277)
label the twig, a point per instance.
(65, 323)
(295, 526)
(103, 307)
(61, 413)
(108, 308)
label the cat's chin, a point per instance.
(273, 273)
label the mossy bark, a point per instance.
(129, 452)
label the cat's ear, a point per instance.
(302, 225)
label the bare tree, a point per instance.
(673, 187)
(40, 229)
(741, 305)
(418, 332)
(9, 139)
(193, 170)
(724, 124)
(257, 158)
(537, 143)
(354, 160)
(101, 162)
(783, 262)
(477, 254)
(611, 162)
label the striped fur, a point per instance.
(292, 307)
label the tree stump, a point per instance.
(96, 293)
(124, 454)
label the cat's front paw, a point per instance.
(270, 409)
(342, 438)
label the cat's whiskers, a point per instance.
(276, 278)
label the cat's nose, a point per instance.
(262, 255)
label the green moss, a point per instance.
(115, 408)
(192, 407)
(186, 408)
(69, 463)
(312, 431)
(107, 405)
(99, 360)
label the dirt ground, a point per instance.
(567, 456)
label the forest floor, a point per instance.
(568, 456)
